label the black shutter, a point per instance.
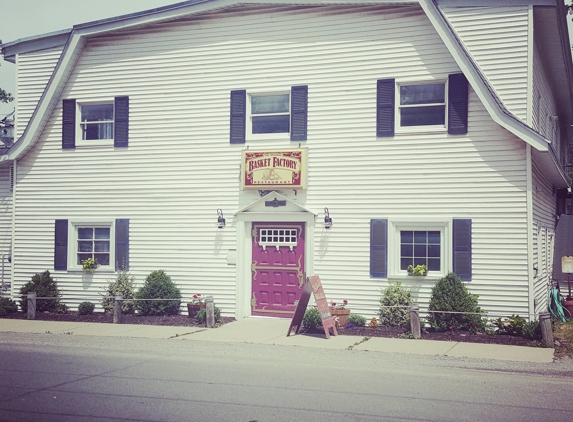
(68, 124)
(238, 116)
(379, 248)
(61, 245)
(121, 122)
(121, 244)
(462, 249)
(298, 113)
(457, 104)
(385, 91)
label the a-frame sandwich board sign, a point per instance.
(314, 286)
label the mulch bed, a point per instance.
(185, 321)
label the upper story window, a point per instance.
(422, 105)
(270, 113)
(96, 121)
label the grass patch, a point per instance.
(563, 334)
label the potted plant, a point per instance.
(197, 303)
(90, 264)
(418, 270)
(340, 313)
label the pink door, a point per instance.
(277, 268)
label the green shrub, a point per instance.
(201, 316)
(311, 319)
(86, 308)
(44, 286)
(532, 330)
(124, 285)
(158, 285)
(518, 326)
(7, 306)
(395, 295)
(356, 320)
(451, 294)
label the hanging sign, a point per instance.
(272, 169)
(567, 264)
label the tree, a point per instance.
(5, 97)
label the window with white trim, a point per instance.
(92, 240)
(268, 113)
(419, 243)
(421, 105)
(96, 123)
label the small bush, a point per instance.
(44, 286)
(451, 294)
(532, 330)
(201, 316)
(86, 308)
(395, 295)
(124, 285)
(518, 326)
(7, 306)
(311, 319)
(158, 285)
(356, 320)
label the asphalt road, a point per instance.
(58, 377)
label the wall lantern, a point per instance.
(220, 219)
(327, 219)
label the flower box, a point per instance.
(193, 308)
(341, 314)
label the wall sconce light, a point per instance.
(220, 219)
(327, 219)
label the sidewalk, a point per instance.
(273, 331)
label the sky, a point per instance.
(27, 18)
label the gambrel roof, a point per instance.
(554, 39)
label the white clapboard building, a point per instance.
(242, 146)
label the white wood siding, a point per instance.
(180, 167)
(33, 73)
(544, 209)
(5, 227)
(544, 105)
(497, 39)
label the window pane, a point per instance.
(422, 94)
(97, 113)
(270, 104)
(434, 237)
(102, 233)
(85, 233)
(271, 124)
(434, 251)
(101, 246)
(102, 259)
(423, 116)
(84, 246)
(420, 250)
(97, 131)
(407, 237)
(433, 264)
(404, 262)
(420, 237)
(82, 257)
(406, 250)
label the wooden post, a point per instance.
(415, 321)
(117, 305)
(31, 302)
(546, 330)
(210, 311)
